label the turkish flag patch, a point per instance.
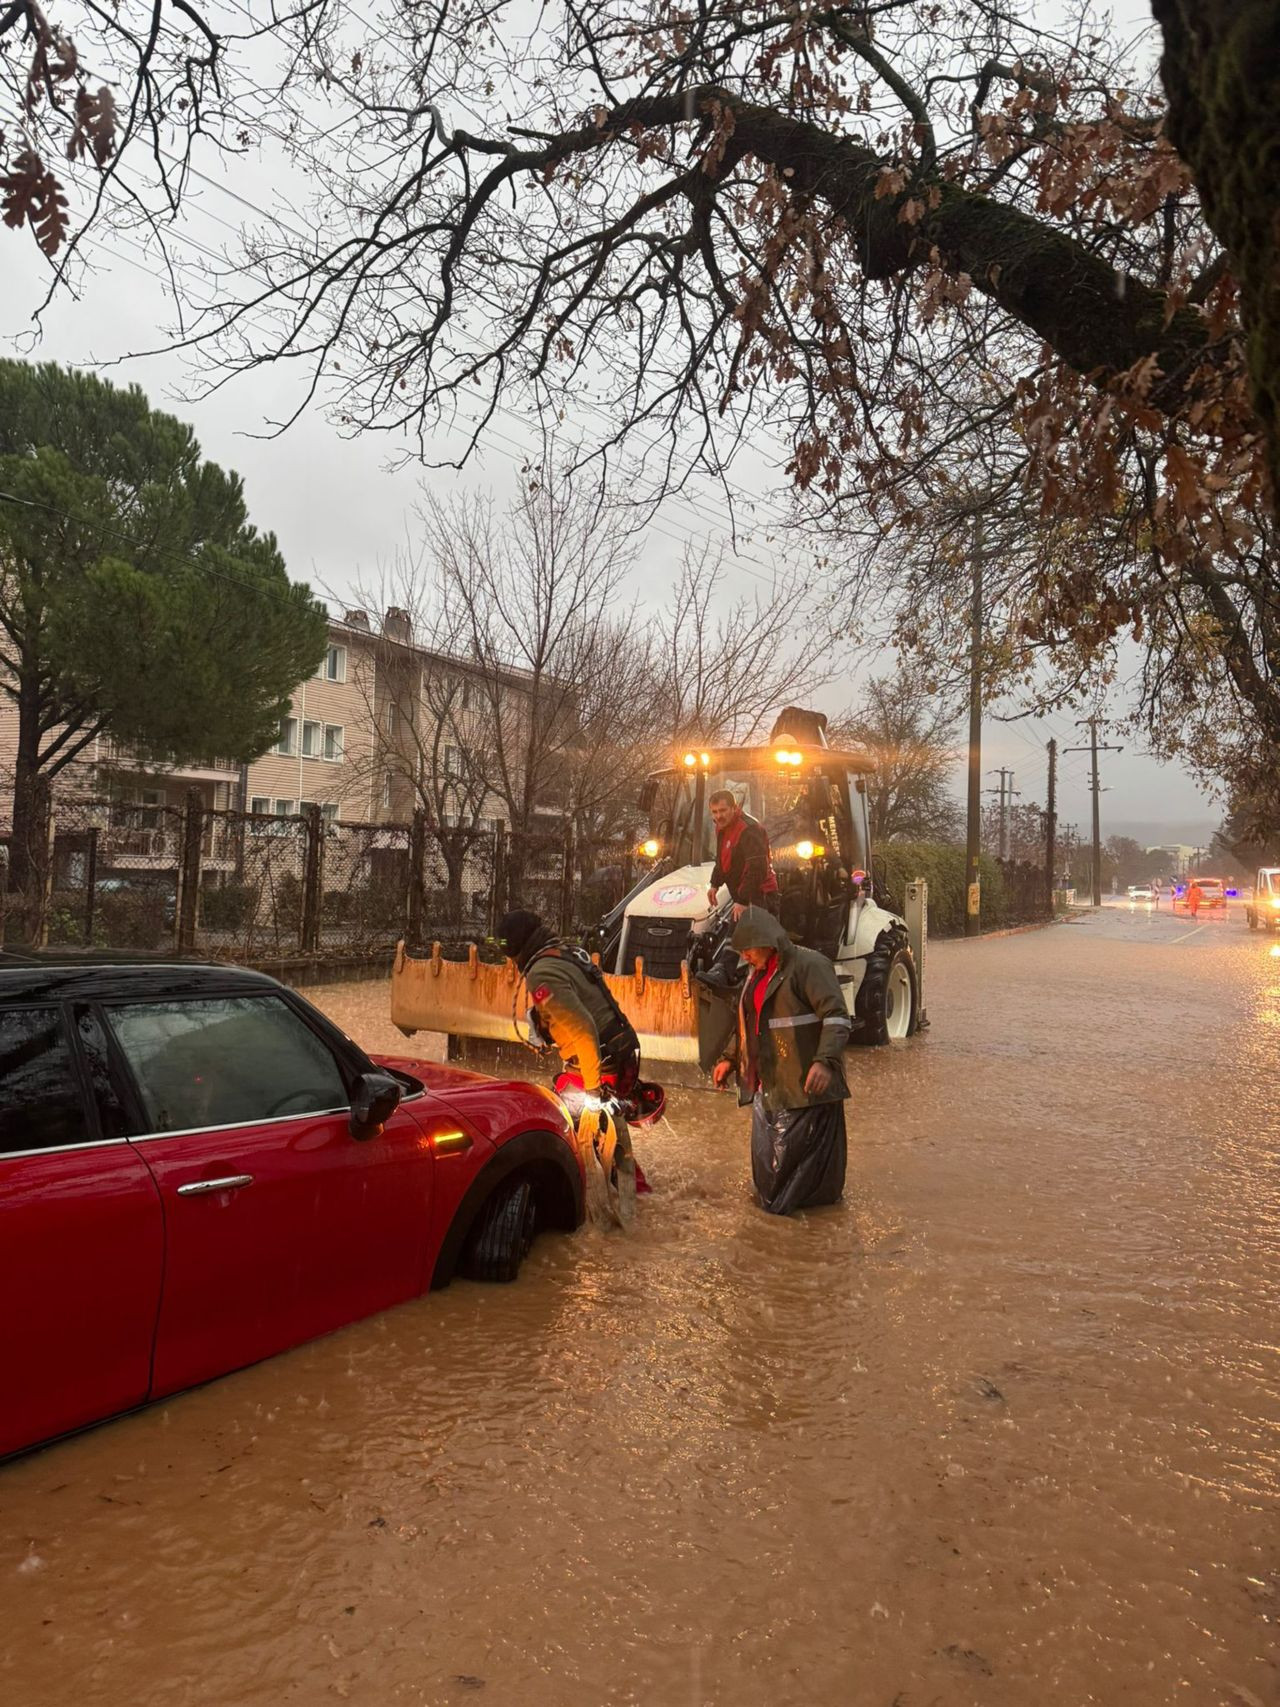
(541, 993)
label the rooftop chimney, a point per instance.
(396, 625)
(357, 619)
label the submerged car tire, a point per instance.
(503, 1234)
(888, 1000)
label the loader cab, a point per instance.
(812, 801)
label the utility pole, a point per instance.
(1006, 791)
(973, 837)
(1051, 823)
(1068, 853)
(1093, 749)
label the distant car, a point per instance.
(199, 1170)
(1263, 912)
(1140, 892)
(1212, 891)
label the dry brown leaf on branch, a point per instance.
(94, 131)
(31, 195)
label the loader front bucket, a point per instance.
(474, 998)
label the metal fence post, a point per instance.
(189, 871)
(90, 882)
(312, 879)
(498, 900)
(417, 876)
(566, 879)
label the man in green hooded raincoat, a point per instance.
(792, 1030)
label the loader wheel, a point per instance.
(1252, 918)
(503, 1233)
(887, 1001)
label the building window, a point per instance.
(260, 806)
(304, 806)
(329, 812)
(334, 737)
(391, 719)
(312, 740)
(386, 790)
(452, 762)
(287, 745)
(334, 667)
(284, 808)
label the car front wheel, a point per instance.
(503, 1234)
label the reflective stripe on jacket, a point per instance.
(803, 1019)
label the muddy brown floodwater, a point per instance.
(1001, 1429)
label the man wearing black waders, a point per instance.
(792, 1029)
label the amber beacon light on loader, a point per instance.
(665, 949)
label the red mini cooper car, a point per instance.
(197, 1170)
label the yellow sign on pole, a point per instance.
(975, 900)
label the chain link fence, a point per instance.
(248, 901)
(113, 874)
(261, 888)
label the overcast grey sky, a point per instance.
(338, 510)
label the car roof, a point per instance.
(58, 975)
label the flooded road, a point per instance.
(1001, 1429)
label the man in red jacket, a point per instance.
(743, 861)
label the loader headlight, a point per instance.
(691, 760)
(810, 850)
(652, 848)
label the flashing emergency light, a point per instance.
(691, 760)
(807, 849)
(785, 756)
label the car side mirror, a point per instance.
(374, 1099)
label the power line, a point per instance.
(715, 516)
(489, 438)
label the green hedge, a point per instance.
(942, 867)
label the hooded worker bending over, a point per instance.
(743, 860)
(792, 1030)
(575, 1012)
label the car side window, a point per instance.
(224, 1061)
(41, 1104)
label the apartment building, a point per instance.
(383, 728)
(326, 752)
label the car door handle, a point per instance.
(232, 1182)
